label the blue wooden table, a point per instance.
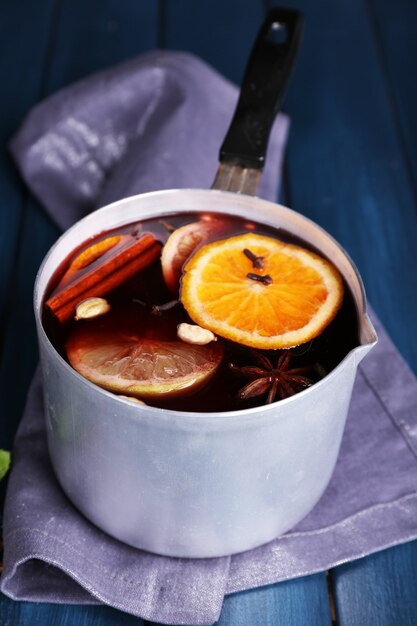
(351, 166)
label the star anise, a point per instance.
(282, 380)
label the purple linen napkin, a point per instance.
(158, 122)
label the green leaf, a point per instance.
(4, 462)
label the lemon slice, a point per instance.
(144, 368)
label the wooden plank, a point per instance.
(23, 45)
(390, 577)
(348, 171)
(92, 35)
(37, 614)
(221, 33)
(346, 167)
(394, 29)
(379, 589)
(296, 602)
(19, 356)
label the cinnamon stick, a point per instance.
(101, 268)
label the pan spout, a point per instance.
(367, 336)
(367, 331)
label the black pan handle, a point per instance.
(263, 88)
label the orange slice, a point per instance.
(141, 367)
(180, 245)
(301, 294)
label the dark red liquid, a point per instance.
(136, 304)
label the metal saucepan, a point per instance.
(203, 484)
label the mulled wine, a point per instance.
(115, 308)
